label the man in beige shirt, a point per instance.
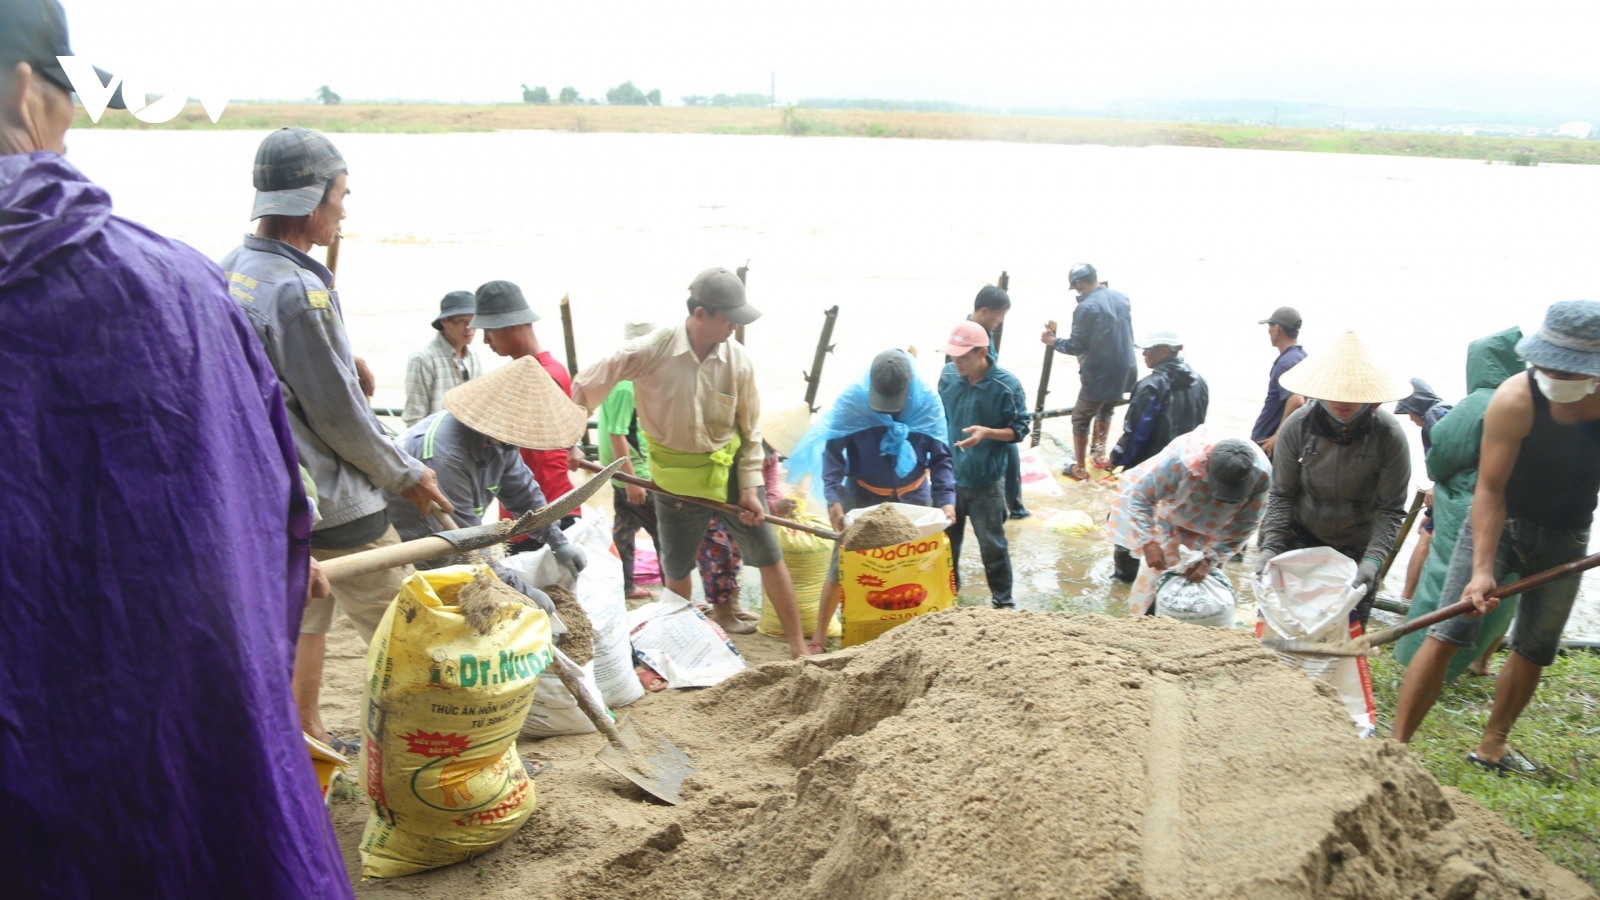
(698, 405)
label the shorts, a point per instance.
(1542, 613)
(682, 526)
(364, 598)
(1085, 411)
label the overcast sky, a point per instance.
(1534, 57)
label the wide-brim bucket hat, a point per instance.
(455, 303)
(521, 405)
(783, 429)
(1344, 372)
(1568, 341)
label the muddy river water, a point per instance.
(1419, 256)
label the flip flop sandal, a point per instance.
(536, 768)
(1513, 763)
(1077, 473)
(344, 747)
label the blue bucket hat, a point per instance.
(1569, 340)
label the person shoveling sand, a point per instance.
(882, 527)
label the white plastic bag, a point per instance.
(1209, 601)
(1038, 476)
(681, 645)
(555, 711)
(599, 591)
(1306, 595)
(928, 519)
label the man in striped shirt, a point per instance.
(445, 362)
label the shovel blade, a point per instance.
(1312, 648)
(654, 764)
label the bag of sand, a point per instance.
(1306, 595)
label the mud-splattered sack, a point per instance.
(443, 705)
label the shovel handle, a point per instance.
(1390, 635)
(728, 508)
(572, 678)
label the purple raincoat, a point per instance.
(152, 570)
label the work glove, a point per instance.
(571, 558)
(1262, 559)
(1366, 575)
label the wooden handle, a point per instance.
(728, 508)
(572, 677)
(390, 557)
(1390, 635)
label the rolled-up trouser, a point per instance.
(1085, 412)
(629, 519)
(683, 525)
(854, 496)
(364, 598)
(986, 507)
(1542, 612)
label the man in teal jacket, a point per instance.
(1453, 466)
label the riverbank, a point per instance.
(1560, 728)
(443, 118)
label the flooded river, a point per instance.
(1418, 255)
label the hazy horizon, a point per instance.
(1535, 60)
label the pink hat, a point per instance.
(966, 336)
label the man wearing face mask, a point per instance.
(1538, 483)
(1341, 467)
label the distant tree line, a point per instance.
(925, 106)
(624, 94)
(727, 100)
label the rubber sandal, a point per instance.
(344, 747)
(1076, 473)
(536, 768)
(1513, 763)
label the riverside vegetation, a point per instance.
(418, 118)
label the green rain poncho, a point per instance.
(1453, 466)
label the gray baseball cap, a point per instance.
(1229, 470)
(455, 303)
(1081, 272)
(1284, 317)
(891, 382)
(500, 304)
(35, 32)
(721, 290)
(292, 172)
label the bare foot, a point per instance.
(1078, 473)
(1480, 668)
(745, 614)
(723, 615)
(638, 592)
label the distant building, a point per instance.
(1579, 130)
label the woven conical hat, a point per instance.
(783, 429)
(519, 404)
(1344, 372)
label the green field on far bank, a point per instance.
(405, 118)
(1560, 729)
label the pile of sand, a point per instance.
(981, 753)
(578, 642)
(884, 526)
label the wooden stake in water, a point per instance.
(814, 379)
(1044, 390)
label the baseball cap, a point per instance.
(966, 336)
(35, 32)
(455, 303)
(1284, 317)
(891, 382)
(293, 168)
(721, 290)
(1229, 470)
(1160, 339)
(1081, 272)
(501, 305)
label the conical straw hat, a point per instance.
(783, 429)
(1344, 372)
(519, 404)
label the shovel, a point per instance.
(462, 540)
(652, 763)
(728, 508)
(1361, 645)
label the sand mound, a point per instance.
(980, 753)
(882, 527)
(578, 642)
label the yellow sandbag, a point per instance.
(443, 707)
(807, 557)
(1071, 522)
(888, 586)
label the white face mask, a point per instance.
(1557, 390)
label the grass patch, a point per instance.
(417, 118)
(1561, 728)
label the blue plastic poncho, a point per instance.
(923, 413)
